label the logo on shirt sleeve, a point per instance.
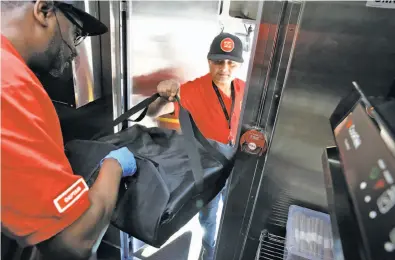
(70, 196)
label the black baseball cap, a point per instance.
(88, 24)
(226, 46)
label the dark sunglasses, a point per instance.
(68, 12)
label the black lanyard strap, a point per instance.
(221, 101)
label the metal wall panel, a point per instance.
(274, 41)
(338, 42)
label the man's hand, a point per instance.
(168, 89)
(126, 160)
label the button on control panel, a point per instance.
(387, 200)
(389, 246)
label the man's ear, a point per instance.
(43, 10)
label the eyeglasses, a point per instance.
(68, 12)
(72, 50)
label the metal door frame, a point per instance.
(267, 77)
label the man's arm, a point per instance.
(43, 202)
(78, 239)
(168, 90)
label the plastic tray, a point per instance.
(309, 235)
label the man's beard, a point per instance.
(60, 62)
(53, 60)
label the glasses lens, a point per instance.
(78, 40)
(78, 37)
(71, 16)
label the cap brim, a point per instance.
(90, 24)
(217, 57)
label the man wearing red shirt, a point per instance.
(43, 202)
(214, 101)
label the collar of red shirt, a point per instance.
(7, 46)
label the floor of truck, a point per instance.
(185, 244)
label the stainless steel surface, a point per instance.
(348, 41)
(263, 59)
(116, 60)
(104, 7)
(246, 177)
(287, 27)
(86, 68)
(338, 42)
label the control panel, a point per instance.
(369, 168)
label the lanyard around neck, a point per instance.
(221, 101)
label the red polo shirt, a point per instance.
(40, 195)
(199, 98)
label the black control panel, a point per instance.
(367, 155)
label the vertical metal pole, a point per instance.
(117, 26)
(129, 55)
(116, 61)
(125, 243)
(125, 246)
(124, 63)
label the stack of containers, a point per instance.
(309, 235)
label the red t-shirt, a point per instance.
(40, 195)
(199, 98)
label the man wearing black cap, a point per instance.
(214, 101)
(43, 202)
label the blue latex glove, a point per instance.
(126, 159)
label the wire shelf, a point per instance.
(271, 247)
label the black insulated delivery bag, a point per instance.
(177, 174)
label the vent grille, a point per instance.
(279, 210)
